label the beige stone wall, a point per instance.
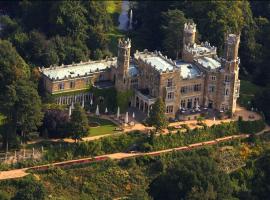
(80, 82)
(149, 78)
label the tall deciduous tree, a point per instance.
(12, 66)
(23, 106)
(172, 27)
(78, 123)
(157, 116)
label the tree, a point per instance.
(172, 27)
(262, 102)
(12, 66)
(56, 122)
(30, 189)
(23, 106)
(68, 19)
(191, 177)
(78, 123)
(157, 116)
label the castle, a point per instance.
(198, 82)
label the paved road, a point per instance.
(18, 173)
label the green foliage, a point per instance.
(22, 105)
(78, 123)
(4, 195)
(69, 32)
(194, 136)
(12, 66)
(123, 99)
(109, 96)
(29, 189)
(262, 102)
(195, 177)
(157, 117)
(251, 127)
(172, 28)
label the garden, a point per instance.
(99, 126)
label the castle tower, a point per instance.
(231, 51)
(189, 34)
(123, 59)
(231, 83)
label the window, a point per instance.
(227, 78)
(197, 87)
(169, 82)
(72, 84)
(211, 88)
(184, 90)
(196, 100)
(170, 95)
(169, 109)
(213, 78)
(189, 103)
(183, 103)
(227, 92)
(61, 86)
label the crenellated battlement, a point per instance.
(190, 27)
(122, 43)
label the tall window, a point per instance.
(227, 92)
(197, 87)
(61, 86)
(183, 90)
(183, 103)
(169, 82)
(72, 84)
(196, 100)
(169, 109)
(211, 88)
(189, 103)
(170, 95)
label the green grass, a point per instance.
(248, 91)
(105, 127)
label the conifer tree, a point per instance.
(78, 123)
(157, 116)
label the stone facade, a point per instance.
(201, 80)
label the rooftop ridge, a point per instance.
(53, 67)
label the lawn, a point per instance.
(105, 127)
(248, 91)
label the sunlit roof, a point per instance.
(80, 69)
(188, 70)
(209, 63)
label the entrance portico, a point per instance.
(143, 102)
